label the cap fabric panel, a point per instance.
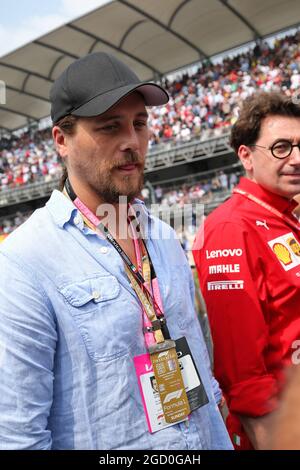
(153, 95)
(96, 82)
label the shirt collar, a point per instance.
(144, 216)
(61, 208)
(278, 202)
(63, 211)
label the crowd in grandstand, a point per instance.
(208, 102)
(200, 105)
(8, 224)
(27, 159)
(203, 191)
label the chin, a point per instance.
(129, 195)
(130, 191)
(290, 193)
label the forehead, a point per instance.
(277, 127)
(129, 105)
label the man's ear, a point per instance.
(246, 157)
(60, 141)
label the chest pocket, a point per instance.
(99, 307)
(85, 295)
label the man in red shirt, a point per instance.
(248, 261)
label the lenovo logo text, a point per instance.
(224, 253)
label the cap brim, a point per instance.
(153, 94)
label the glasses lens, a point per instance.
(281, 149)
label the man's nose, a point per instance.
(130, 140)
(295, 155)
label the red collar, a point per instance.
(280, 203)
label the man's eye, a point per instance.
(111, 127)
(282, 147)
(141, 124)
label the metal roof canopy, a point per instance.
(153, 38)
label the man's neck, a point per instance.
(89, 198)
(114, 216)
(269, 190)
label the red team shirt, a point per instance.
(249, 272)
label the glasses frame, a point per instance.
(271, 148)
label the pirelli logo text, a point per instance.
(225, 285)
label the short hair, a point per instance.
(257, 107)
(68, 125)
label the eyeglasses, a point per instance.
(280, 149)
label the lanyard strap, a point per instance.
(146, 268)
(148, 307)
(137, 280)
(97, 225)
(267, 206)
(144, 263)
(130, 266)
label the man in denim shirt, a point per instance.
(70, 321)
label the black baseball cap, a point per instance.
(94, 83)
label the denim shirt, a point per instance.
(70, 326)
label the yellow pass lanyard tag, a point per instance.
(171, 389)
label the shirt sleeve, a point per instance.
(233, 284)
(27, 345)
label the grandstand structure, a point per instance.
(187, 33)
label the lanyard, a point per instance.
(97, 224)
(147, 269)
(148, 300)
(267, 206)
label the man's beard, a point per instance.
(110, 191)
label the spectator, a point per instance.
(249, 266)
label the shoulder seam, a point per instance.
(27, 270)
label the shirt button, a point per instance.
(103, 250)
(96, 294)
(76, 220)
